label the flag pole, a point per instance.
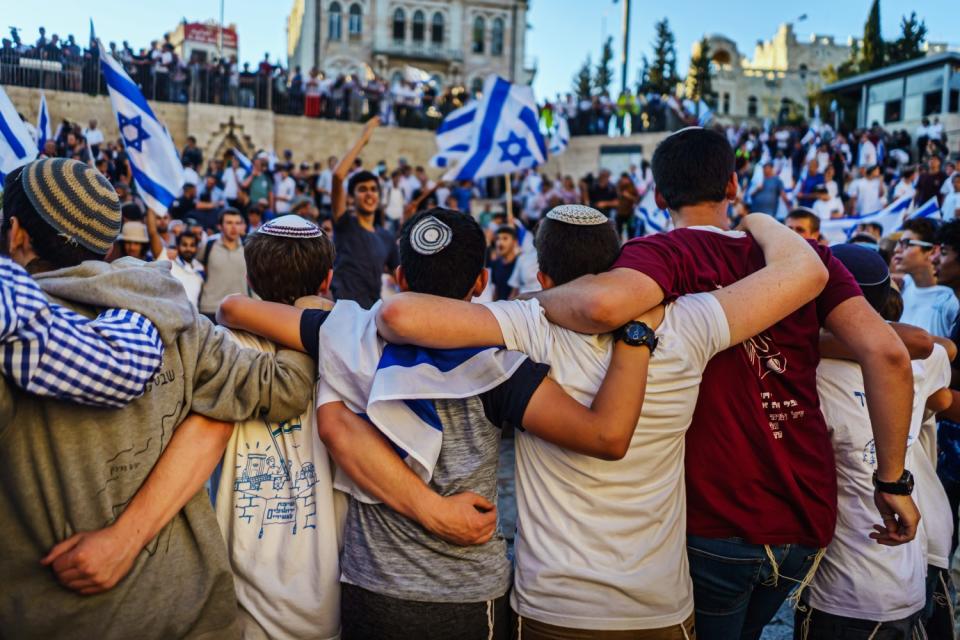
(510, 220)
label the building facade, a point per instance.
(778, 81)
(453, 41)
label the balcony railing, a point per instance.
(420, 51)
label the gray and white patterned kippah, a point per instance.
(430, 236)
(577, 214)
(291, 226)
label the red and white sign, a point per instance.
(197, 32)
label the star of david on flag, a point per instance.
(505, 134)
(153, 157)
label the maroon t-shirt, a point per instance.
(759, 463)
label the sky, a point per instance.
(561, 35)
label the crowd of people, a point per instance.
(712, 412)
(163, 74)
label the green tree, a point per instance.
(913, 33)
(699, 84)
(643, 76)
(872, 56)
(663, 70)
(604, 73)
(583, 81)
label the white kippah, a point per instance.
(430, 236)
(291, 226)
(577, 214)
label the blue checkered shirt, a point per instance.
(51, 351)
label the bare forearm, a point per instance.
(194, 451)
(276, 322)
(888, 384)
(437, 323)
(361, 452)
(601, 303)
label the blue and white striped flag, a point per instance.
(17, 147)
(559, 135)
(656, 221)
(890, 218)
(506, 137)
(454, 135)
(394, 386)
(244, 161)
(153, 157)
(929, 209)
(44, 130)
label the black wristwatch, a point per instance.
(902, 487)
(637, 334)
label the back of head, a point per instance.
(868, 269)
(442, 252)
(574, 240)
(68, 209)
(693, 165)
(288, 258)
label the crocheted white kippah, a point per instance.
(291, 226)
(430, 236)
(577, 214)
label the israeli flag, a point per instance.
(506, 137)
(244, 161)
(929, 209)
(656, 221)
(454, 135)
(394, 386)
(559, 136)
(153, 157)
(44, 130)
(17, 147)
(890, 218)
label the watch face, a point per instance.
(634, 332)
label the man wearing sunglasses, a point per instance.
(925, 303)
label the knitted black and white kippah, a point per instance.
(430, 236)
(291, 226)
(577, 214)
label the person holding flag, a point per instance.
(152, 155)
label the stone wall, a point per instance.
(218, 128)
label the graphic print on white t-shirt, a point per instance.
(602, 544)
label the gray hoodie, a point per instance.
(67, 468)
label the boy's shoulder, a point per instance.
(249, 340)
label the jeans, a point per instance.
(735, 589)
(937, 615)
(811, 624)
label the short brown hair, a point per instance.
(567, 251)
(284, 269)
(803, 213)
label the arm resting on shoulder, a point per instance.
(95, 561)
(278, 323)
(437, 323)
(365, 455)
(918, 342)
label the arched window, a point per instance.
(476, 86)
(399, 25)
(436, 29)
(356, 21)
(479, 32)
(496, 41)
(419, 26)
(752, 106)
(803, 72)
(333, 23)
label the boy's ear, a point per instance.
(659, 199)
(480, 284)
(732, 187)
(325, 285)
(545, 281)
(401, 279)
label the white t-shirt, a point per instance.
(868, 154)
(231, 182)
(857, 577)
(825, 209)
(190, 275)
(393, 197)
(93, 136)
(524, 276)
(930, 375)
(600, 544)
(286, 188)
(951, 202)
(933, 309)
(325, 182)
(869, 195)
(279, 516)
(903, 188)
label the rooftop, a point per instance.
(947, 57)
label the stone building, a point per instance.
(454, 41)
(783, 73)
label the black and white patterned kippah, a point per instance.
(430, 236)
(291, 226)
(577, 214)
